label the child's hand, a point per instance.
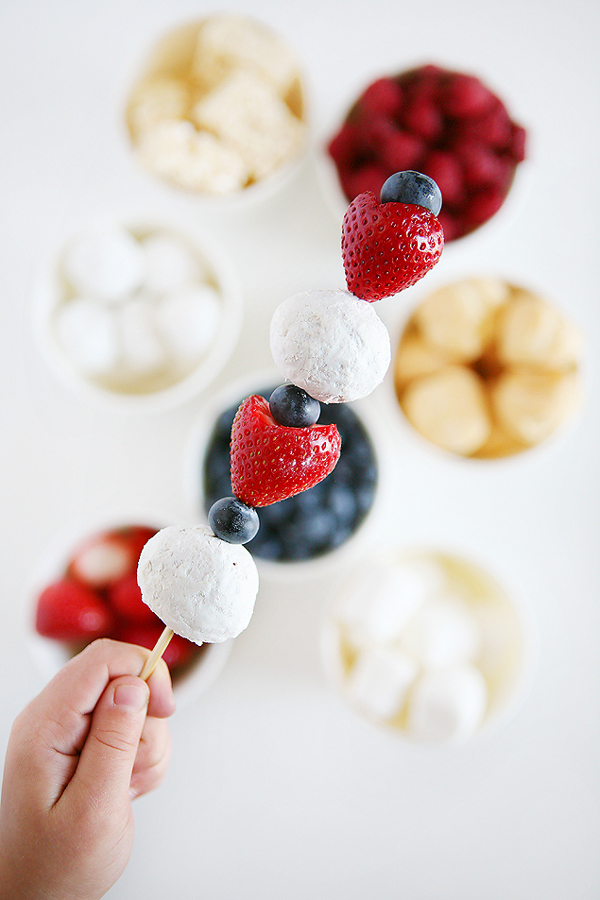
(90, 742)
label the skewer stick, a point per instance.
(159, 648)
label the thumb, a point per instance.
(108, 755)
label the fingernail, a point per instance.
(132, 697)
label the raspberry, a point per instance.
(383, 98)
(401, 150)
(441, 113)
(481, 166)
(446, 171)
(423, 117)
(465, 96)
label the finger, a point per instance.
(106, 761)
(67, 701)
(153, 757)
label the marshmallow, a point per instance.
(379, 681)
(384, 599)
(86, 333)
(170, 264)
(442, 632)
(104, 263)
(203, 588)
(189, 320)
(141, 348)
(447, 704)
(331, 344)
(449, 408)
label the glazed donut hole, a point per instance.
(487, 369)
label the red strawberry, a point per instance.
(125, 597)
(179, 650)
(106, 558)
(270, 462)
(387, 247)
(69, 611)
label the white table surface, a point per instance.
(276, 789)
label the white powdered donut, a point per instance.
(201, 587)
(331, 344)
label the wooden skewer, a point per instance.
(159, 648)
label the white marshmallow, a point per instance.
(104, 263)
(203, 588)
(382, 602)
(141, 348)
(86, 333)
(379, 681)
(442, 632)
(170, 264)
(189, 320)
(447, 704)
(331, 344)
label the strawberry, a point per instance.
(106, 558)
(179, 650)
(270, 462)
(125, 597)
(387, 247)
(70, 611)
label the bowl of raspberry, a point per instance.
(86, 588)
(448, 125)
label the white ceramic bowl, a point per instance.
(511, 453)
(194, 477)
(509, 649)
(50, 655)
(171, 57)
(175, 387)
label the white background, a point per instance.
(276, 790)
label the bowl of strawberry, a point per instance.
(448, 125)
(89, 590)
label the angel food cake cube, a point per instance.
(246, 113)
(229, 42)
(221, 106)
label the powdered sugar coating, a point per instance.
(331, 344)
(201, 587)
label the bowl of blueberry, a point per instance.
(313, 528)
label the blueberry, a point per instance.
(412, 187)
(233, 521)
(293, 407)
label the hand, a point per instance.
(94, 739)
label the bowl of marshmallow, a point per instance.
(139, 316)
(428, 645)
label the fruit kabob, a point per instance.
(331, 347)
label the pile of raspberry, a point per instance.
(446, 124)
